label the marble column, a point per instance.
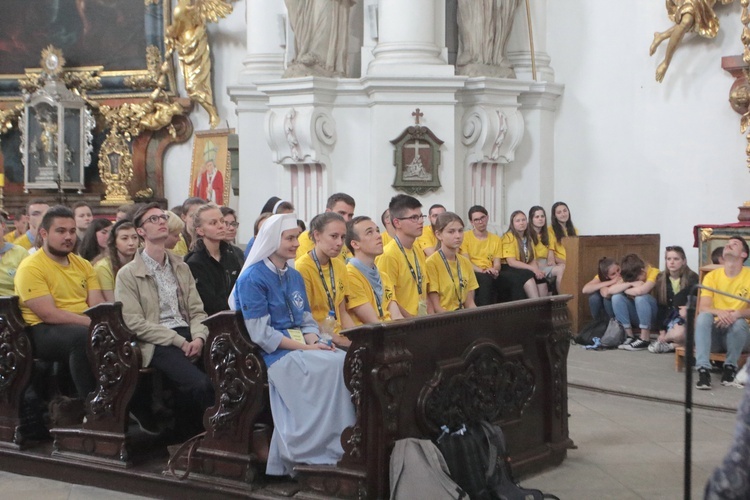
(266, 40)
(519, 48)
(411, 39)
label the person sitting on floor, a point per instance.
(600, 299)
(722, 323)
(370, 298)
(212, 261)
(55, 287)
(160, 303)
(303, 372)
(632, 301)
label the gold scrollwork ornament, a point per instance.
(115, 169)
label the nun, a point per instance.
(310, 403)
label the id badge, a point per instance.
(422, 309)
(296, 334)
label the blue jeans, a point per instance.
(598, 304)
(712, 338)
(641, 310)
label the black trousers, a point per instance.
(486, 294)
(66, 344)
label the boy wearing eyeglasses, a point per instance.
(403, 261)
(55, 287)
(162, 306)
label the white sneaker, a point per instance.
(742, 376)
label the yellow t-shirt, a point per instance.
(306, 244)
(9, 263)
(541, 250)
(394, 264)
(103, 270)
(427, 240)
(387, 238)
(510, 249)
(316, 294)
(651, 274)
(24, 242)
(68, 285)
(361, 292)
(10, 237)
(739, 285)
(555, 245)
(180, 249)
(482, 253)
(448, 287)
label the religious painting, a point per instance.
(417, 159)
(211, 171)
(711, 237)
(122, 40)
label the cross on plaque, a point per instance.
(417, 145)
(417, 115)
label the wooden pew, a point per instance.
(16, 365)
(238, 374)
(504, 363)
(582, 263)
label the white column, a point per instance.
(266, 41)
(410, 39)
(519, 48)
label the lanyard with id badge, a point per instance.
(417, 275)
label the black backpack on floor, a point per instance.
(479, 464)
(594, 328)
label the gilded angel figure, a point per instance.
(188, 36)
(687, 15)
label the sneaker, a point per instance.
(636, 345)
(741, 377)
(145, 423)
(627, 342)
(727, 377)
(660, 347)
(704, 379)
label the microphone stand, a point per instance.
(689, 364)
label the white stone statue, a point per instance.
(321, 34)
(483, 30)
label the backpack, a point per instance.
(418, 470)
(479, 463)
(595, 328)
(614, 335)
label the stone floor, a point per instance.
(628, 448)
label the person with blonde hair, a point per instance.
(175, 225)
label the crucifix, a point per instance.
(417, 115)
(416, 146)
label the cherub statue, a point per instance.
(687, 15)
(188, 36)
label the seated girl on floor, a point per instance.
(632, 301)
(451, 276)
(600, 300)
(302, 371)
(677, 278)
(545, 255)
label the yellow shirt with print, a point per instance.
(427, 240)
(739, 285)
(68, 285)
(447, 286)
(9, 262)
(103, 271)
(24, 242)
(316, 294)
(510, 248)
(482, 253)
(306, 244)
(394, 264)
(361, 292)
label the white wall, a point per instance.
(633, 155)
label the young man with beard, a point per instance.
(160, 303)
(370, 298)
(55, 287)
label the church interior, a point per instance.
(545, 101)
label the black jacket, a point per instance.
(214, 280)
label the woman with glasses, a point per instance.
(484, 250)
(212, 261)
(230, 233)
(325, 275)
(671, 285)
